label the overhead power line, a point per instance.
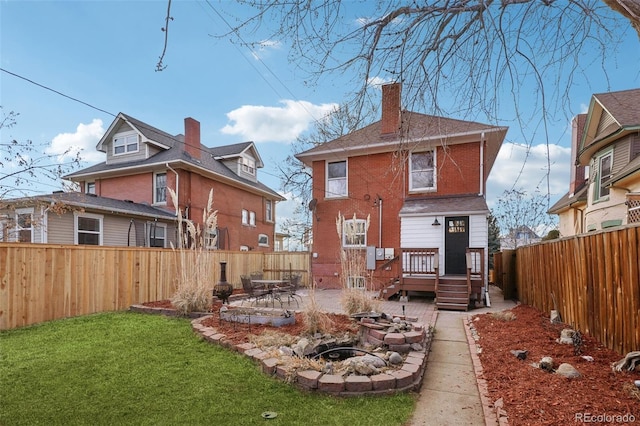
(57, 92)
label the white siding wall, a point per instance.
(419, 232)
(60, 228)
(479, 238)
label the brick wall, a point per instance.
(384, 176)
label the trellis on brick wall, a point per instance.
(633, 205)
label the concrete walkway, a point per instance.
(449, 394)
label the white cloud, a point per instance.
(264, 47)
(84, 140)
(275, 124)
(377, 82)
(514, 168)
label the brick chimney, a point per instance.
(390, 108)
(578, 179)
(192, 137)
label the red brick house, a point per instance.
(130, 187)
(421, 180)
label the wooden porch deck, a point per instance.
(420, 273)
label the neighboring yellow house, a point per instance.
(605, 176)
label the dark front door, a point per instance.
(456, 241)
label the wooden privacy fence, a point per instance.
(41, 282)
(595, 280)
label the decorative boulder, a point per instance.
(568, 371)
(566, 336)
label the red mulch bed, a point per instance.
(534, 397)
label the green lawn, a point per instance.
(125, 368)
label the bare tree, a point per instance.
(518, 212)
(457, 57)
(25, 164)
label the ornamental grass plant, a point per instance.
(195, 278)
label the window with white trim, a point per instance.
(125, 143)
(24, 225)
(422, 171)
(252, 218)
(268, 211)
(249, 166)
(159, 188)
(211, 239)
(604, 174)
(157, 234)
(245, 217)
(357, 282)
(90, 187)
(263, 240)
(336, 185)
(88, 229)
(354, 233)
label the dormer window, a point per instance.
(125, 143)
(249, 166)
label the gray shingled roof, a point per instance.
(415, 127)
(624, 106)
(176, 153)
(566, 200)
(92, 202)
(454, 205)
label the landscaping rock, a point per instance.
(568, 371)
(519, 353)
(566, 336)
(546, 364)
(395, 358)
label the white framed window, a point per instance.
(244, 248)
(125, 143)
(263, 240)
(249, 166)
(211, 239)
(252, 218)
(245, 217)
(604, 174)
(356, 282)
(422, 166)
(156, 234)
(354, 233)
(159, 188)
(90, 187)
(87, 229)
(336, 185)
(268, 211)
(24, 225)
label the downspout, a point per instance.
(380, 222)
(177, 186)
(44, 235)
(482, 164)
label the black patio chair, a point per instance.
(289, 291)
(254, 293)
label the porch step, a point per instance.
(389, 291)
(453, 306)
(452, 296)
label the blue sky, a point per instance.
(105, 53)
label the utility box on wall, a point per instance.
(371, 258)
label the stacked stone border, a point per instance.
(494, 413)
(407, 378)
